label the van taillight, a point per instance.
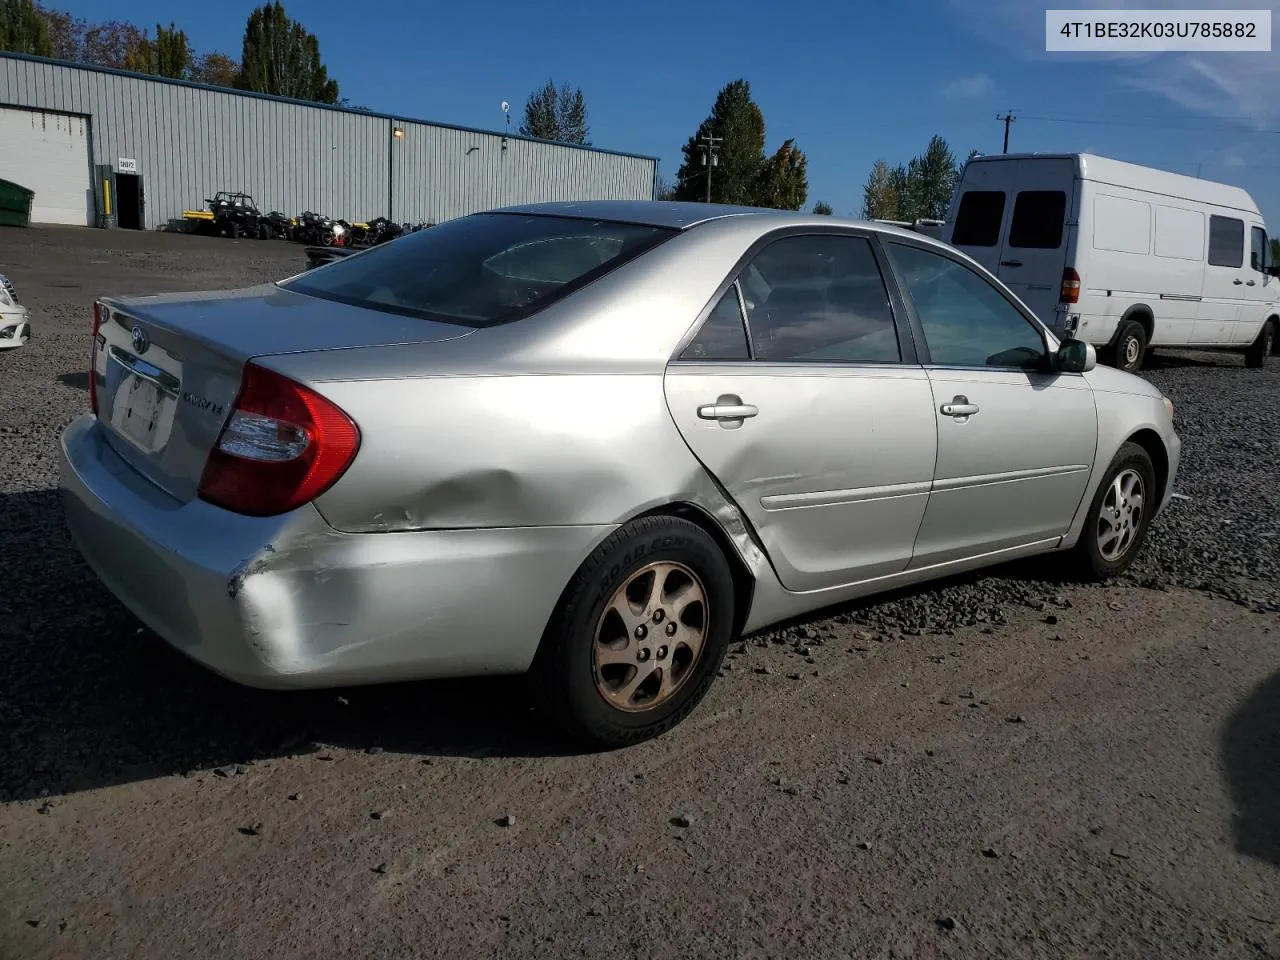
(93, 358)
(1070, 287)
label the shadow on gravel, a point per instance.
(89, 699)
(1174, 361)
(77, 381)
(1251, 760)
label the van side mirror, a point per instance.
(1273, 269)
(1076, 356)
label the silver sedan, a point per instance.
(592, 442)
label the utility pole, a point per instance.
(710, 157)
(1008, 119)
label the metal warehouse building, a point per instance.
(93, 141)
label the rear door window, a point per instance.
(1038, 218)
(978, 219)
(823, 300)
(1226, 242)
(483, 269)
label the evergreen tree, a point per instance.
(281, 57)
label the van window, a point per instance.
(1038, 216)
(1258, 255)
(1122, 225)
(1179, 233)
(1226, 242)
(978, 219)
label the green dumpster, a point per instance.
(15, 204)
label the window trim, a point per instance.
(1266, 248)
(1208, 253)
(743, 322)
(906, 335)
(926, 358)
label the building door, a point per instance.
(129, 212)
(49, 153)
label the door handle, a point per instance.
(1237, 281)
(959, 407)
(1010, 263)
(722, 410)
(1250, 283)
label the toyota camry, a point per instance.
(592, 443)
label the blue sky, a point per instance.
(851, 80)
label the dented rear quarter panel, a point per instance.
(557, 419)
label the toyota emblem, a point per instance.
(140, 341)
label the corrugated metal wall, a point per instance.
(191, 141)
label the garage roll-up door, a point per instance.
(48, 153)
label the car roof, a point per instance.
(679, 215)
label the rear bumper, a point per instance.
(289, 602)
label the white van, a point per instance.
(1123, 256)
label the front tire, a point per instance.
(1130, 347)
(638, 635)
(1263, 347)
(1118, 517)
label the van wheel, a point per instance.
(639, 634)
(1130, 347)
(1263, 347)
(1118, 517)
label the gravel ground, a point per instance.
(1000, 765)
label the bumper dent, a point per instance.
(289, 602)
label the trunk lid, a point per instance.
(167, 368)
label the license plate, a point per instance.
(136, 412)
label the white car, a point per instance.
(15, 319)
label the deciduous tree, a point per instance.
(880, 195)
(783, 183)
(215, 69)
(23, 29)
(168, 55)
(281, 57)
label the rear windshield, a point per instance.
(481, 270)
(978, 219)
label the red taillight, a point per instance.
(283, 446)
(93, 358)
(1070, 287)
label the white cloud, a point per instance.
(1213, 84)
(975, 87)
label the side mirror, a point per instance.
(1274, 270)
(1076, 356)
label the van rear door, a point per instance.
(977, 221)
(1034, 251)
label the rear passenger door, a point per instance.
(1218, 321)
(800, 392)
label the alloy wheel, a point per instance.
(650, 636)
(1120, 516)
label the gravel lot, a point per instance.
(1002, 765)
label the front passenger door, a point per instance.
(1016, 442)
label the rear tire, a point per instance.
(638, 635)
(1116, 525)
(1263, 347)
(1130, 347)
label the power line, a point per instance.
(1209, 123)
